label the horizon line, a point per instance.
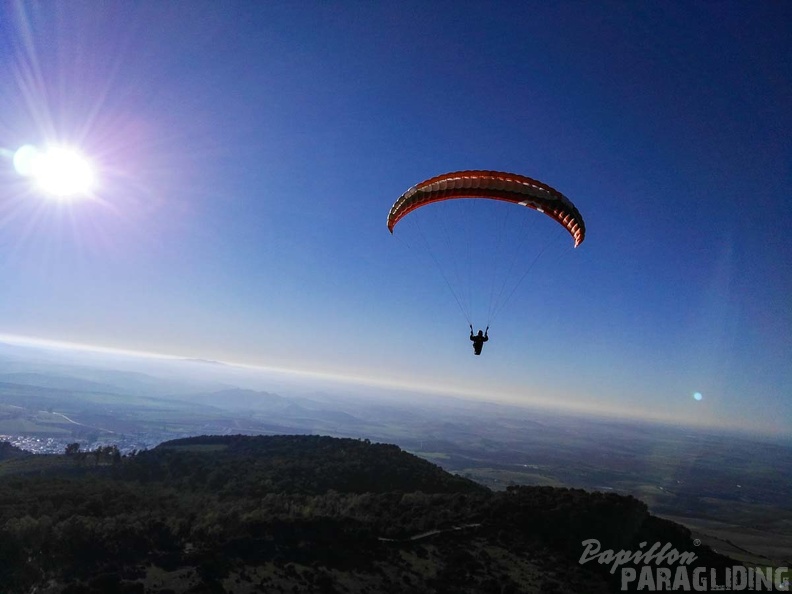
(448, 391)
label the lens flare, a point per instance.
(24, 159)
(60, 172)
(697, 396)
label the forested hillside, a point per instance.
(301, 514)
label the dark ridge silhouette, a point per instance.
(303, 514)
(7, 451)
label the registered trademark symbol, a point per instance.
(696, 542)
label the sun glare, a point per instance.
(60, 172)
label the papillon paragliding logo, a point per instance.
(662, 568)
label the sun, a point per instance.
(57, 171)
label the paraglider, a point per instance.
(494, 185)
(478, 340)
(487, 186)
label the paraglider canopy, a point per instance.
(483, 252)
(495, 185)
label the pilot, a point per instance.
(478, 339)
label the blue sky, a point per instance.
(248, 154)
